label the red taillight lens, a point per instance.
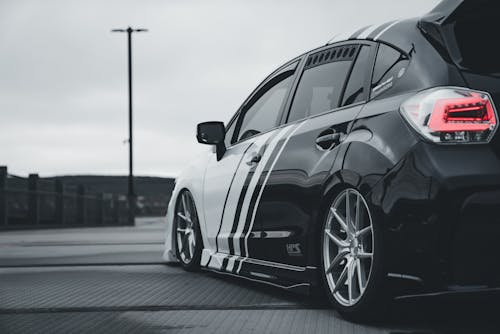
(457, 115)
(473, 113)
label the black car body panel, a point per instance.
(434, 202)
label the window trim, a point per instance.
(326, 112)
(229, 124)
(368, 83)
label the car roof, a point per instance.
(398, 33)
(371, 32)
(402, 33)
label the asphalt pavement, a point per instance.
(113, 280)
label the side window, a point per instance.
(355, 90)
(322, 82)
(262, 113)
(390, 66)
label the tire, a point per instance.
(188, 242)
(351, 258)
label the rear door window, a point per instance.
(322, 82)
(390, 66)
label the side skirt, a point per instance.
(298, 279)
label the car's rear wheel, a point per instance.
(187, 232)
(351, 256)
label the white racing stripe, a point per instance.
(262, 190)
(230, 263)
(233, 197)
(251, 188)
(368, 31)
(341, 37)
(387, 28)
(359, 33)
(232, 203)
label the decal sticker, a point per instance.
(382, 87)
(367, 32)
(243, 200)
(231, 203)
(256, 205)
(401, 72)
(293, 249)
(240, 218)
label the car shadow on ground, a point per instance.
(460, 313)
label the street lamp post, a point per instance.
(131, 191)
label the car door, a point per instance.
(251, 136)
(324, 106)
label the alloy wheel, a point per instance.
(348, 247)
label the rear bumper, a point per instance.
(441, 211)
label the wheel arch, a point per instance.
(334, 184)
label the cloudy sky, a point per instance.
(63, 79)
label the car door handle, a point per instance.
(255, 160)
(329, 138)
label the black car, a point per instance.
(361, 165)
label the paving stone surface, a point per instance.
(112, 280)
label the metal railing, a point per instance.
(60, 207)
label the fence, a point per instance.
(62, 206)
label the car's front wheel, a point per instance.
(188, 242)
(351, 256)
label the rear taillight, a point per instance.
(452, 115)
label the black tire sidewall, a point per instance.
(194, 264)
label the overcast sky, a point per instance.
(63, 78)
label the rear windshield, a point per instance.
(478, 43)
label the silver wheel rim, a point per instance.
(348, 247)
(186, 219)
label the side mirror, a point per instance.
(212, 133)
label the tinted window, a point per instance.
(263, 113)
(355, 90)
(389, 67)
(319, 89)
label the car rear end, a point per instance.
(444, 207)
(469, 34)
